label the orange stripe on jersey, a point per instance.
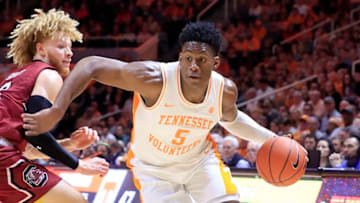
(230, 187)
(131, 155)
(180, 92)
(136, 100)
(220, 98)
(135, 180)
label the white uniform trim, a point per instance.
(8, 172)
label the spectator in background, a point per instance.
(337, 144)
(330, 112)
(86, 118)
(326, 149)
(317, 103)
(302, 129)
(229, 153)
(250, 161)
(308, 109)
(313, 124)
(218, 139)
(121, 135)
(297, 101)
(348, 115)
(116, 150)
(310, 142)
(351, 153)
(250, 94)
(333, 127)
(103, 149)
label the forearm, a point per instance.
(75, 84)
(103, 70)
(32, 153)
(245, 127)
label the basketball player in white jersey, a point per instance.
(175, 106)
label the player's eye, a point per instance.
(188, 58)
(202, 60)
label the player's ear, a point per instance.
(40, 49)
(216, 62)
(180, 56)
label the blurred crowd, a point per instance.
(323, 114)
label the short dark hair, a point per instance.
(202, 32)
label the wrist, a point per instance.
(67, 144)
(79, 168)
(57, 112)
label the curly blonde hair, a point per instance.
(41, 26)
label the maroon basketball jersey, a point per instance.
(15, 91)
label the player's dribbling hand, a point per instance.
(83, 137)
(40, 122)
(93, 166)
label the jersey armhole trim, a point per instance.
(220, 99)
(162, 93)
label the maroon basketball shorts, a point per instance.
(22, 180)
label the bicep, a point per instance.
(142, 77)
(229, 108)
(48, 84)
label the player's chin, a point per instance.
(64, 71)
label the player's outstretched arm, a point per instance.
(237, 122)
(41, 97)
(142, 77)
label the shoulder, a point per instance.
(48, 84)
(49, 76)
(145, 69)
(149, 75)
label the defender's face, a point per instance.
(57, 52)
(197, 60)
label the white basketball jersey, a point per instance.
(175, 131)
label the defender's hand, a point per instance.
(40, 122)
(83, 137)
(93, 166)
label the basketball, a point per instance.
(281, 161)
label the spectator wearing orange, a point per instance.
(302, 129)
(333, 127)
(295, 17)
(253, 43)
(258, 30)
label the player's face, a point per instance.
(197, 60)
(57, 52)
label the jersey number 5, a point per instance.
(179, 138)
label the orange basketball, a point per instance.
(281, 161)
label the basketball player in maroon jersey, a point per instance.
(42, 47)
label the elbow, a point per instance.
(89, 65)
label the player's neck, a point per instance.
(194, 93)
(39, 58)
